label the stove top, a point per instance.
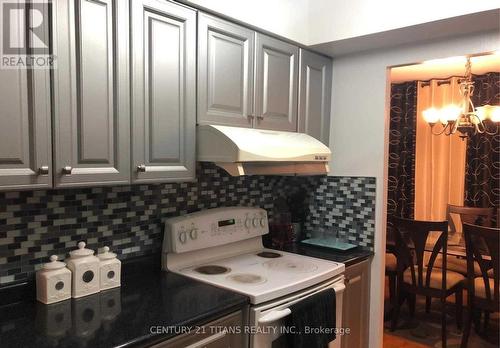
(223, 247)
(212, 269)
(263, 278)
(269, 254)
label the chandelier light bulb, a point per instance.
(450, 113)
(495, 114)
(431, 115)
(482, 113)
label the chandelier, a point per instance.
(465, 117)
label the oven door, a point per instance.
(267, 325)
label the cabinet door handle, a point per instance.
(43, 170)
(260, 117)
(355, 279)
(141, 168)
(206, 341)
(352, 280)
(67, 170)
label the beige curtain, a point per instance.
(439, 159)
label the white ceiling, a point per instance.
(332, 21)
(469, 24)
(443, 68)
(339, 27)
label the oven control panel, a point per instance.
(213, 227)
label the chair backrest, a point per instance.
(480, 242)
(469, 215)
(389, 238)
(411, 241)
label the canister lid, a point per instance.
(54, 264)
(106, 255)
(81, 251)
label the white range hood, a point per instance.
(248, 151)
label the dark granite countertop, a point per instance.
(118, 317)
(348, 257)
(148, 300)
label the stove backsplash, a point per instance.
(129, 219)
(343, 207)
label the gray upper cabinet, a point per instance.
(225, 72)
(25, 145)
(315, 95)
(163, 90)
(91, 93)
(276, 84)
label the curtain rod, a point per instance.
(427, 82)
(439, 82)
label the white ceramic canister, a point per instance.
(53, 282)
(84, 267)
(110, 269)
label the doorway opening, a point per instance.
(438, 178)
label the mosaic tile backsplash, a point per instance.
(129, 219)
(346, 206)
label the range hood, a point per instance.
(249, 151)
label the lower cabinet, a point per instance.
(216, 334)
(356, 305)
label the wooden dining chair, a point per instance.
(417, 276)
(471, 215)
(482, 245)
(390, 270)
(391, 273)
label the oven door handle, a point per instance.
(274, 315)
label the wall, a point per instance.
(282, 17)
(129, 219)
(359, 123)
(312, 22)
(339, 20)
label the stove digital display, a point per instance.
(229, 222)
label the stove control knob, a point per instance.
(255, 222)
(193, 233)
(248, 223)
(262, 222)
(182, 237)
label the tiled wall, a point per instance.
(36, 224)
(345, 205)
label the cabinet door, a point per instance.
(91, 93)
(216, 334)
(25, 136)
(356, 305)
(225, 72)
(276, 84)
(315, 91)
(164, 91)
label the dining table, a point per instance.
(456, 249)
